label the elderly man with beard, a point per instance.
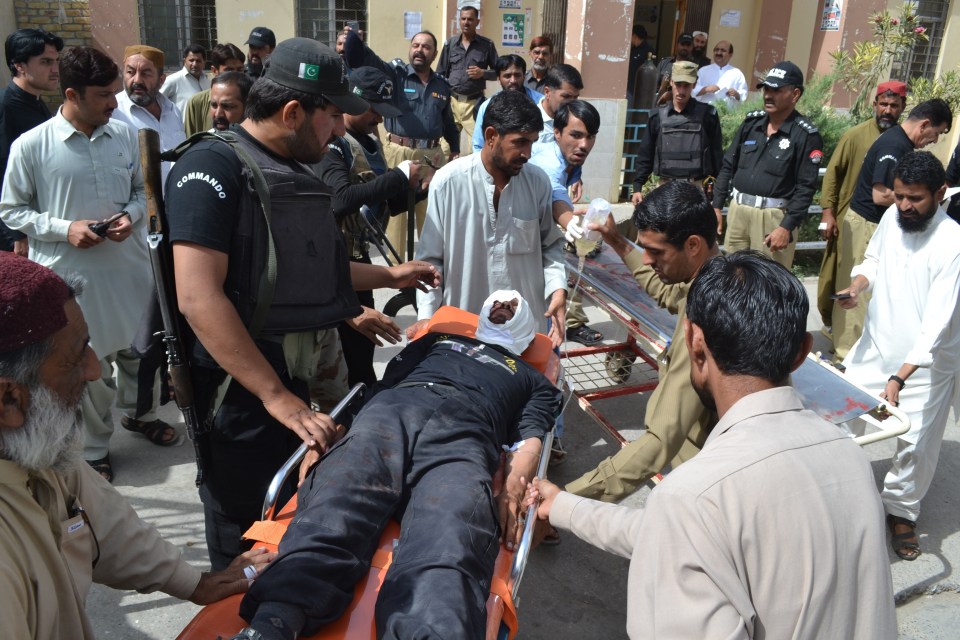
(61, 526)
(774, 530)
(228, 99)
(910, 346)
(436, 426)
(141, 105)
(541, 53)
(840, 180)
(872, 196)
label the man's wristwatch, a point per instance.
(900, 381)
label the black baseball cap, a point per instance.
(685, 38)
(375, 87)
(262, 37)
(783, 74)
(309, 66)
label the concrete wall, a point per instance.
(386, 35)
(236, 18)
(8, 20)
(114, 25)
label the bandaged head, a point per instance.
(514, 335)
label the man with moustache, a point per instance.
(490, 223)
(467, 62)
(840, 180)
(260, 45)
(774, 530)
(79, 168)
(771, 169)
(141, 105)
(720, 80)
(910, 346)
(678, 234)
(190, 80)
(261, 342)
(682, 53)
(61, 526)
(423, 98)
(683, 139)
(228, 99)
(223, 58)
(32, 56)
(356, 171)
(510, 69)
(872, 196)
(541, 54)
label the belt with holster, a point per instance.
(413, 143)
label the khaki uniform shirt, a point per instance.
(677, 422)
(845, 163)
(58, 534)
(775, 530)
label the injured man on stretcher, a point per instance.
(423, 450)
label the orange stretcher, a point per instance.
(222, 618)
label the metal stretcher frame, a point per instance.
(608, 283)
(222, 618)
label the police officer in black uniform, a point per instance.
(770, 170)
(423, 98)
(683, 139)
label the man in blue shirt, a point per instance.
(510, 72)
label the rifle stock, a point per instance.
(161, 261)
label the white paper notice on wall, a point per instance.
(730, 18)
(412, 23)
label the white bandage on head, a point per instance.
(516, 334)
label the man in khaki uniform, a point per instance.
(676, 422)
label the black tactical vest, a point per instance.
(681, 149)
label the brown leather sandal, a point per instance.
(905, 544)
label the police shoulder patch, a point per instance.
(806, 125)
(398, 62)
(755, 114)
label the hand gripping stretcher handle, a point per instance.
(293, 462)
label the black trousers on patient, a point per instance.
(422, 455)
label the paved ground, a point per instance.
(569, 591)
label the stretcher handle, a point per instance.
(526, 540)
(896, 412)
(269, 511)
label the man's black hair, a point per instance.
(583, 111)
(935, 110)
(267, 98)
(640, 31)
(753, 314)
(23, 44)
(82, 67)
(560, 73)
(921, 167)
(195, 49)
(225, 51)
(428, 33)
(513, 112)
(476, 12)
(678, 210)
(243, 81)
(510, 60)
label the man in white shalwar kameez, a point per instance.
(78, 168)
(910, 346)
(490, 222)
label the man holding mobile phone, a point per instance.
(65, 179)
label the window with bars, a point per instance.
(323, 19)
(172, 25)
(922, 60)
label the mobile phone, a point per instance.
(841, 296)
(354, 25)
(100, 228)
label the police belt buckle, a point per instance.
(759, 202)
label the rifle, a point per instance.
(161, 261)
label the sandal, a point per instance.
(156, 431)
(905, 544)
(584, 335)
(103, 467)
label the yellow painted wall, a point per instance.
(386, 35)
(804, 19)
(950, 55)
(744, 37)
(236, 18)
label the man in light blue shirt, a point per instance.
(510, 71)
(575, 132)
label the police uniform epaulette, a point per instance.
(806, 125)
(398, 62)
(759, 113)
